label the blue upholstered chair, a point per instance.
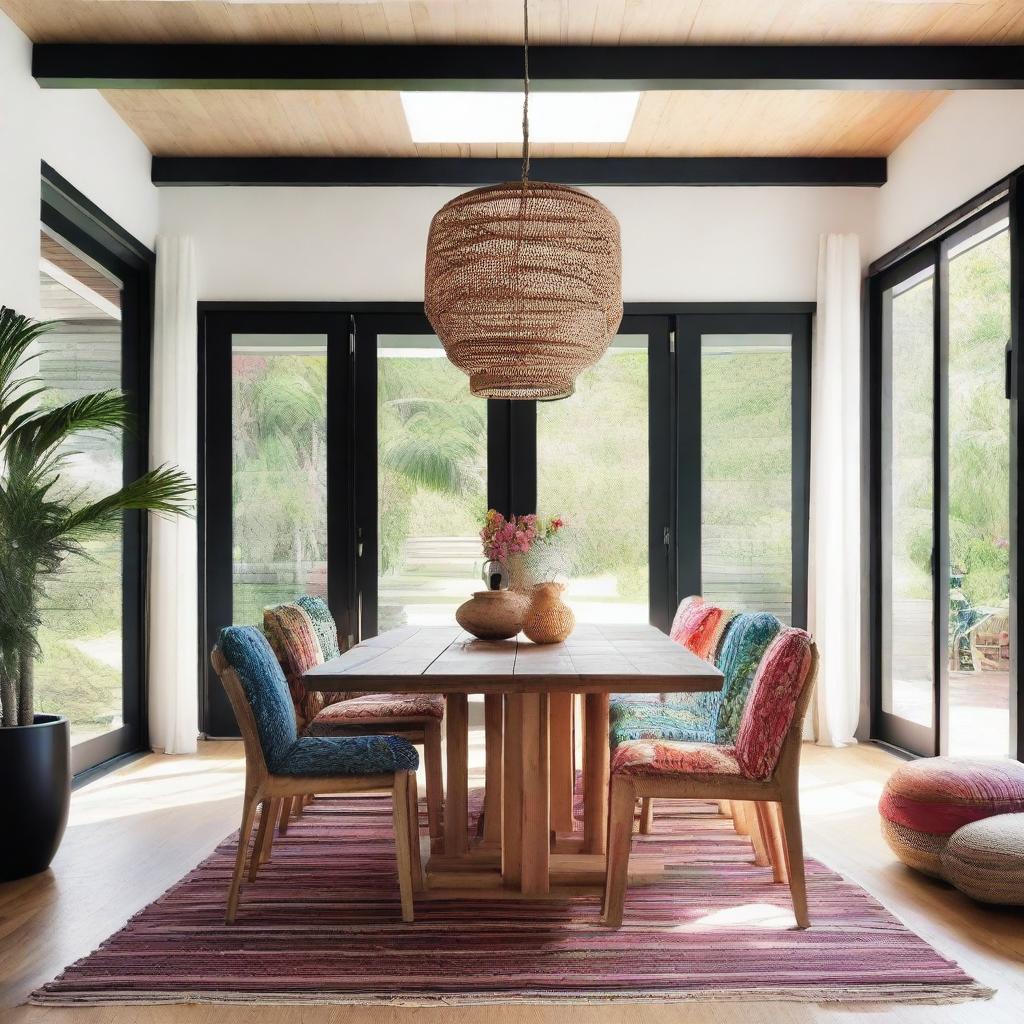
(280, 764)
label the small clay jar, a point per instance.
(549, 619)
(492, 614)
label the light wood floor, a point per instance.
(136, 831)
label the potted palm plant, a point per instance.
(43, 520)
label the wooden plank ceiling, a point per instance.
(693, 123)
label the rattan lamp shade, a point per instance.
(524, 286)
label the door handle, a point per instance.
(1008, 363)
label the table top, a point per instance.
(441, 659)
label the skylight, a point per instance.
(498, 116)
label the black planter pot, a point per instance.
(35, 791)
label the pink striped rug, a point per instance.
(321, 924)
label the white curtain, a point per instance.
(173, 630)
(834, 571)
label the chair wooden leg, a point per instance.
(248, 817)
(403, 836)
(298, 805)
(758, 836)
(725, 808)
(795, 859)
(268, 839)
(286, 813)
(419, 881)
(267, 809)
(647, 815)
(773, 837)
(435, 778)
(620, 836)
(739, 817)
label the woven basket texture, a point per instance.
(523, 286)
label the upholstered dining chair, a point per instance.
(303, 634)
(735, 644)
(280, 764)
(762, 768)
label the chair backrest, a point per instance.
(323, 622)
(699, 626)
(749, 636)
(259, 696)
(293, 637)
(772, 723)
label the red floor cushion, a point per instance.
(378, 707)
(926, 801)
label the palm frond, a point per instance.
(43, 431)
(165, 491)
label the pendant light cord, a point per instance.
(526, 91)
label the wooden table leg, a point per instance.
(562, 767)
(456, 801)
(493, 771)
(595, 773)
(512, 792)
(536, 820)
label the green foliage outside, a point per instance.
(979, 325)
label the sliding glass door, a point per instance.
(432, 459)
(275, 520)
(941, 497)
(744, 444)
(344, 455)
(95, 284)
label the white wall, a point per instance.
(19, 173)
(80, 136)
(679, 244)
(970, 142)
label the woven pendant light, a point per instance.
(523, 281)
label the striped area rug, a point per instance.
(322, 924)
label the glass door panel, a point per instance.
(275, 488)
(747, 471)
(593, 470)
(278, 470)
(908, 540)
(431, 483)
(80, 673)
(978, 648)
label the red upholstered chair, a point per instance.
(763, 767)
(417, 717)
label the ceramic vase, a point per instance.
(549, 619)
(492, 614)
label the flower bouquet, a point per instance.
(527, 546)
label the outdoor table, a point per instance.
(528, 843)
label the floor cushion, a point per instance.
(985, 859)
(668, 757)
(926, 801)
(377, 707)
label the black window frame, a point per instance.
(929, 249)
(71, 217)
(512, 450)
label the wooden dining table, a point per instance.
(528, 842)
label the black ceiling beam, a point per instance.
(462, 171)
(387, 67)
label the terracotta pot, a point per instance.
(492, 614)
(549, 620)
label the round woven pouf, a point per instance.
(926, 801)
(985, 859)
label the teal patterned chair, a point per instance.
(700, 717)
(281, 765)
(303, 634)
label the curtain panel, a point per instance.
(173, 627)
